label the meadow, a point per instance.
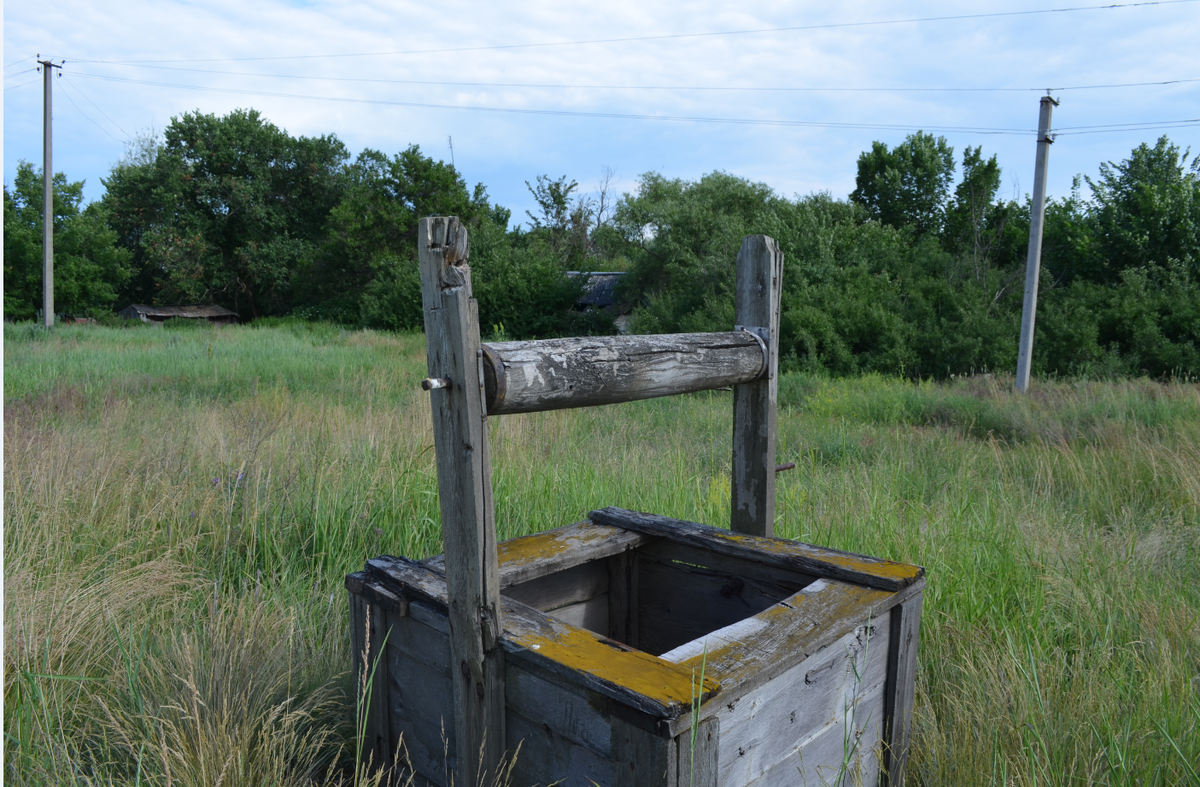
(181, 506)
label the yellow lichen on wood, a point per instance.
(668, 684)
(903, 572)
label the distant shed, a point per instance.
(214, 314)
(600, 292)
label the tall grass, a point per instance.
(181, 508)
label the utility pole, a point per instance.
(47, 196)
(1033, 263)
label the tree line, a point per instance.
(919, 272)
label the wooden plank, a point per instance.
(699, 756)
(642, 758)
(464, 495)
(786, 580)
(553, 374)
(780, 552)
(422, 642)
(548, 757)
(756, 305)
(369, 629)
(563, 588)
(591, 614)
(576, 715)
(621, 598)
(765, 725)
(680, 602)
(843, 753)
(420, 703)
(529, 557)
(902, 672)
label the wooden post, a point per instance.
(465, 495)
(759, 285)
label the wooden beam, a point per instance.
(756, 308)
(554, 374)
(898, 700)
(465, 497)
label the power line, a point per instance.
(23, 84)
(18, 73)
(89, 117)
(672, 36)
(20, 60)
(100, 110)
(536, 85)
(569, 113)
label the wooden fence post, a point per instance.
(759, 285)
(465, 495)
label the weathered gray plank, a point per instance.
(529, 557)
(422, 642)
(369, 628)
(548, 757)
(464, 495)
(622, 598)
(562, 588)
(756, 306)
(783, 553)
(842, 754)
(642, 758)
(699, 756)
(679, 602)
(591, 614)
(902, 669)
(421, 714)
(765, 725)
(785, 581)
(552, 374)
(576, 715)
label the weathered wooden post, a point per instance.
(756, 309)
(465, 494)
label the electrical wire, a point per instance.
(18, 73)
(100, 110)
(89, 117)
(535, 85)
(23, 84)
(673, 36)
(20, 60)
(571, 113)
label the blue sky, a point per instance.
(133, 65)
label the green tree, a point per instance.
(230, 209)
(908, 185)
(89, 269)
(1146, 212)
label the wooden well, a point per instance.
(628, 649)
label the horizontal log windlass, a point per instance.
(555, 374)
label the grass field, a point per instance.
(181, 506)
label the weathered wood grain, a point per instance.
(368, 632)
(699, 757)
(562, 588)
(464, 495)
(784, 581)
(905, 627)
(420, 704)
(622, 597)
(782, 553)
(553, 374)
(548, 757)
(577, 715)
(767, 724)
(529, 557)
(642, 758)
(591, 614)
(758, 289)
(679, 602)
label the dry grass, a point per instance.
(178, 526)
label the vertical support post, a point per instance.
(905, 631)
(47, 195)
(1033, 262)
(465, 496)
(759, 286)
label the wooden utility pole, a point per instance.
(756, 310)
(1033, 263)
(465, 495)
(47, 196)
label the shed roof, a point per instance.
(199, 312)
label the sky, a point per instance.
(788, 94)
